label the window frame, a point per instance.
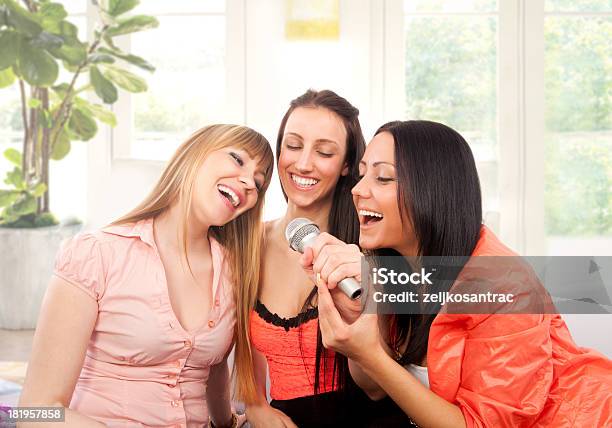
(235, 71)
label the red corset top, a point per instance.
(290, 345)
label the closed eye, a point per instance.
(237, 158)
(385, 179)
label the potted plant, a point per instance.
(37, 41)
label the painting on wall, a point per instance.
(312, 20)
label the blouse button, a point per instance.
(187, 343)
(211, 323)
(177, 363)
(175, 403)
(216, 302)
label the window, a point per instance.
(578, 115)
(451, 75)
(188, 88)
(529, 84)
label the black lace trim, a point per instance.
(285, 323)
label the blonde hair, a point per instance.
(241, 238)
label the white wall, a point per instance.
(278, 70)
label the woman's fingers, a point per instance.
(322, 240)
(241, 419)
(333, 273)
(307, 258)
(333, 329)
(344, 258)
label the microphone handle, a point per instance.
(349, 286)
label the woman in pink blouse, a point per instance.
(139, 317)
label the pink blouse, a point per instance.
(142, 368)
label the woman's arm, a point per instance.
(261, 414)
(365, 382)
(218, 394)
(361, 342)
(66, 321)
(423, 406)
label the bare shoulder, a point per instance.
(273, 235)
(272, 226)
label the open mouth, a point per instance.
(229, 194)
(369, 217)
(303, 182)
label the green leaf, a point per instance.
(26, 205)
(69, 30)
(117, 7)
(46, 40)
(98, 58)
(15, 179)
(132, 24)
(126, 80)
(132, 59)
(61, 89)
(82, 124)
(7, 77)
(72, 68)
(37, 67)
(14, 156)
(62, 146)
(38, 190)
(52, 12)
(109, 41)
(72, 50)
(8, 197)
(21, 19)
(103, 115)
(34, 103)
(104, 88)
(9, 48)
(73, 54)
(98, 111)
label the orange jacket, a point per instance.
(524, 370)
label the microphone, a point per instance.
(301, 233)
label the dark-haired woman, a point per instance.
(419, 195)
(318, 148)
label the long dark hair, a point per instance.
(343, 222)
(439, 194)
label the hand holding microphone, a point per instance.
(336, 262)
(344, 328)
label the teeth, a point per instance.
(370, 213)
(302, 181)
(234, 197)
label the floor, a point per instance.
(15, 348)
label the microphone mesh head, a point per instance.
(297, 229)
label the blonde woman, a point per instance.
(140, 316)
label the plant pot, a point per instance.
(27, 257)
